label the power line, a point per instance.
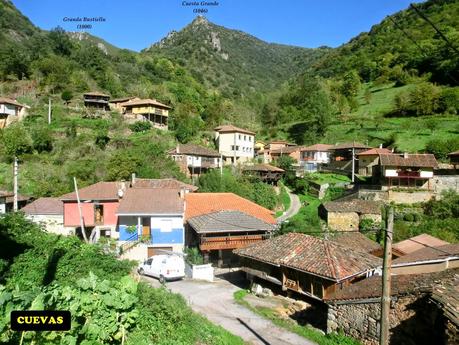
(423, 16)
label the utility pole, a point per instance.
(49, 111)
(15, 184)
(221, 165)
(386, 280)
(234, 150)
(83, 231)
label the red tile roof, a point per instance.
(355, 240)
(198, 204)
(287, 149)
(163, 183)
(375, 152)
(400, 285)
(317, 147)
(445, 252)
(97, 191)
(356, 205)
(446, 294)
(355, 145)
(311, 254)
(418, 242)
(151, 201)
(44, 206)
(232, 129)
(193, 149)
(411, 160)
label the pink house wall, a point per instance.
(72, 215)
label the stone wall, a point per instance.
(413, 321)
(445, 182)
(343, 221)
(409, 198)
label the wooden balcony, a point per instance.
(229, 242)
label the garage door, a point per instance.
(157, 250)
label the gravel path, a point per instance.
(216, 302)
(295, 205)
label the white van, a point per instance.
(165, 267)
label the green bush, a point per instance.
(140, 126)
(193, 256)
(408, 217)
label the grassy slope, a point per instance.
(367, 124)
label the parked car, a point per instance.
(164, 267)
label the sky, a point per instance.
(136, 24)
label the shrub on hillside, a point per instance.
(140, 126)
(440, 148)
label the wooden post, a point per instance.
(386, 281)
(83, 231)
(353, 162)
(15, 184)
(49, 111)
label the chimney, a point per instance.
(121, 189)
(405, 155)
(177, 149)
(380, 146)
(182, 193)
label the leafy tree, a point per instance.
(424, 99)
(66, 96)
(16, 140)
(140, 126)
(42, 139)
(60, 41)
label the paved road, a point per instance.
(215, 301)
(295, 205)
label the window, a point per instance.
(98, 214)
(165, 225)
(250, 138)
(239, 137)
(232, 147)
(245, 137)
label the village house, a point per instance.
(308, 265)
(341, 156)
(115, 104)
(48, 212)
(195, 160)
(348, 215)
(99, 203)
(264, 172)
(277, 146)
(415, 243)
(235, 144)
(355, 310)
(259, 149)
(7, 201)
(428, 260)
(11, 111)
(312, 157)
(150, 110)
(369, 161)
(96, 100)
(151, 219)
(217, 223)
(407, 170)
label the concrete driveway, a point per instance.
(215, 301)
(295, 205)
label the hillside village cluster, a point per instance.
(340, 272)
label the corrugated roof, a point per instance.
(97, 191)
(148, 101)
(228, 221)
(193, 149)
(263, 167)
(447, 251)
(411, 160)
(10, 101)
(375, 152)
(44, 206)
(231, 129)
(356, 205)
(355, 240)
(151, 201)
(198, 204)
(317, 147)
(311, 254)
(418, 242)
(400, 285)
(163, 183)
